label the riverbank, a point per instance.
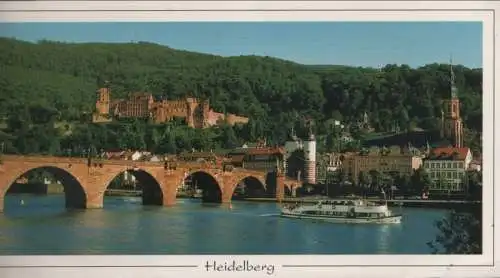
(123, 193)
(445, 204)
(39, 188)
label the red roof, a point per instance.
(237, 158)
(448, 153)
(258, 151)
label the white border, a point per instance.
(7, 14)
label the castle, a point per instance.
(196, 113)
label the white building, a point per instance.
(447, 168)
(309, 148)
(310, 157)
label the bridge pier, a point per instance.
(95, 205)
(227, 196)
(95, 199)
(280, 187)
(227, 188)
(169, 189)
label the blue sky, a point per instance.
(339, 43)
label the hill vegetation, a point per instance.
(49, 82)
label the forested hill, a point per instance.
(273, 92)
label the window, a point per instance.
(455, 165)
(438, 165)
(461, 165)
(449, 165)
(448, 175)
(455, 175)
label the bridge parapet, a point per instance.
(128, 162)
(196, 165)
(43, 159)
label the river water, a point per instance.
(43, 226)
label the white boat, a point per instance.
(347, 211)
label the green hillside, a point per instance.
(52, 81)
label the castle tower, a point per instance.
(102, 105)
(192, 104)
(451, 122)
(103, 99)
(205, 113)
(310, 157)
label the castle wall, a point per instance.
(234, 119)
(214, 118)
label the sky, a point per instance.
(367, 44)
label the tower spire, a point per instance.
(453, 88)
(311, 134)
(293, 136)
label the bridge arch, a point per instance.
(144, 180)
(74, 192)
(250, 186)
(207, 182)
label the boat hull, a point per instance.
(394, 219)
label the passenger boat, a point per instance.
(346, 211)
(198, 193)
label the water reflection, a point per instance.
(384, 232)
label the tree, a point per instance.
(404, 183)
(228, 137)
(35, 94)
(460, 232)
(364, 182)
(420, 181)
(376, 180)
(167, 144)
(474, 185)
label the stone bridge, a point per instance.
(85, 180)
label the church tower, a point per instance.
(451, 122)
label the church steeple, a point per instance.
(293, 136)
(451, 122)
(453, 88)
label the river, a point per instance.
(43, 226)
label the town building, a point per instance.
(447, 168)
(451, 121)
(207, 157)
(261, 158)
(327, 165)
(197, 113)
(401, 160)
